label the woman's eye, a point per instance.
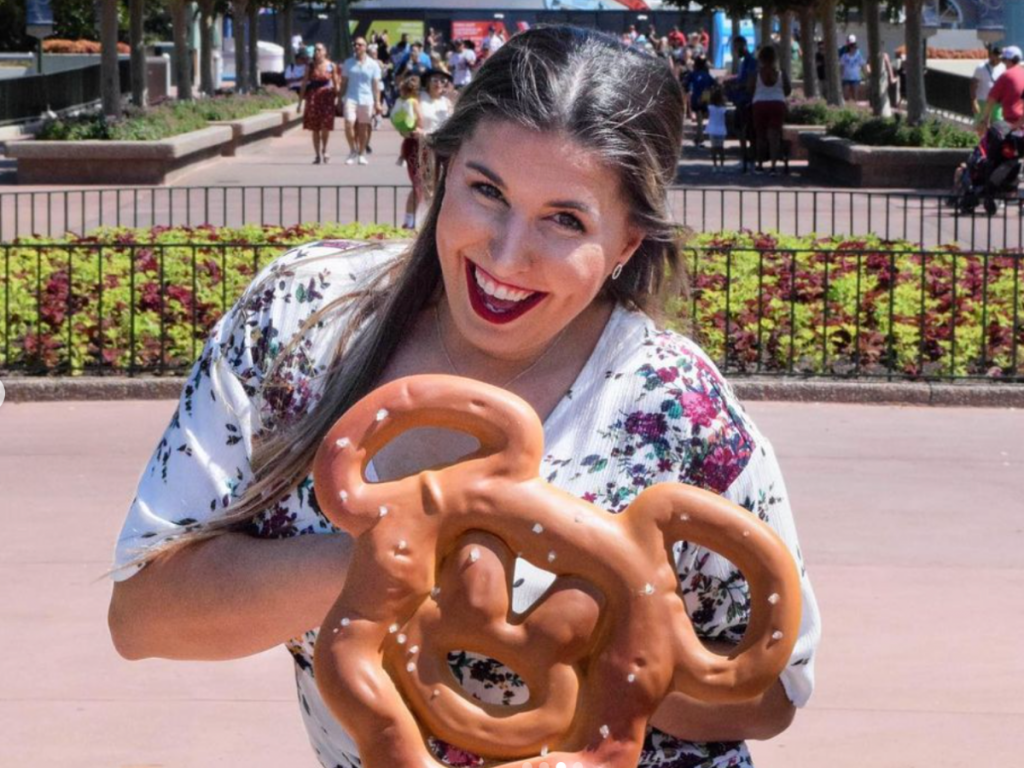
(488, 190)
(569, 221)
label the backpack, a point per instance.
(403, 116)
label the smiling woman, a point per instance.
(544, 252)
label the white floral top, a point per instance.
(647, 407)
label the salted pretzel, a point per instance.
(431, 573)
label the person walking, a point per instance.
(1006, 93)
(405, 116)
(461, 62)
(295, 73)
(853, 65)
(361, 80)
(984, 79)
(319, 92)
(771, 88)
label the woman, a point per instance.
(545, 246)
(769, 99)
(319, 91)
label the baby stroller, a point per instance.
(991, 173)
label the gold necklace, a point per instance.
(507, 384)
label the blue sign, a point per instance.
(38, 13)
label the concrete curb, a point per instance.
(978, 395)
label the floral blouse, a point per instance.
(648, 407)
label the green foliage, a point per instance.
(862, 128)
(808, 112)
(160, 122)
(760, 302)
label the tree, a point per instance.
(182, 54)
(786, 43)
(253, 12)
(137, 11)
(808, 50)
(110, 75)
(878, 85)
(830, 38)
(914, 38)
(207, 13)
(241, 60)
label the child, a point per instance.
(716, 128)
(699, 85)
(405, 116)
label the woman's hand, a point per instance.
(227, 597)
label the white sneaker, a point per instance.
(363, 160)
(351, 159)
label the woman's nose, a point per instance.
(511, 246)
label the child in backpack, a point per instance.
(405, 116)
(717, 128)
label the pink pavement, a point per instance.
(910, 520)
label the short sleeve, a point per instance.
(717, 595)
(201, 462)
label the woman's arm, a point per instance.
(228, 597)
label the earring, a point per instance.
(617, 271)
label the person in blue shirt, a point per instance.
(740, 88)
(361, 78)
(699, 85)
(415, 62)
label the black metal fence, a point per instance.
(948, 92)
(923, 219)
(30, 96)
(851, 313)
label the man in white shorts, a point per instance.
(361, 78)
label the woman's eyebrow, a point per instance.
(573, 205)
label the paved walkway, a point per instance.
(273, 172)
(910, 520)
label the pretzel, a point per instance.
(431, 573)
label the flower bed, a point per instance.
(760, 302)
(160, 122)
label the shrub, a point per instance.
(859, 126)
(760, 302)
(808, 112)
(160, 122)
(55, 45)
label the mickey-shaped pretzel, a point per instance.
(431, 573)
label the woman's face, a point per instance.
(531, 226)
(319, 53)
(435, 86)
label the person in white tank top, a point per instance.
(770, 93)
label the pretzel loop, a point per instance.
(431, 573)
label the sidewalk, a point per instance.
(910, 522)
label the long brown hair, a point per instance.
(620, 103)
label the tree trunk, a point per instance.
(342, 39)
(182, 63)
(140, 95)
(238, 30)
(110, 76)
(878, 82)
(206, 80)
(766, 24)
(254, 44)
(914, 38)
(287, 30)
(830, 37)
(786, 43)
(736, 27)
(808, 51)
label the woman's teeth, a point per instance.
(500, 291)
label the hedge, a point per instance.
(760, 302)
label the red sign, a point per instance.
(477, 31)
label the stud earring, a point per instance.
(617, 271)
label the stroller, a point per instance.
(991, 173)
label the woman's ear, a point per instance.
(634, 237)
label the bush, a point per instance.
(861, 127)
(760, 302)
(160, 122)
(808, 112)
